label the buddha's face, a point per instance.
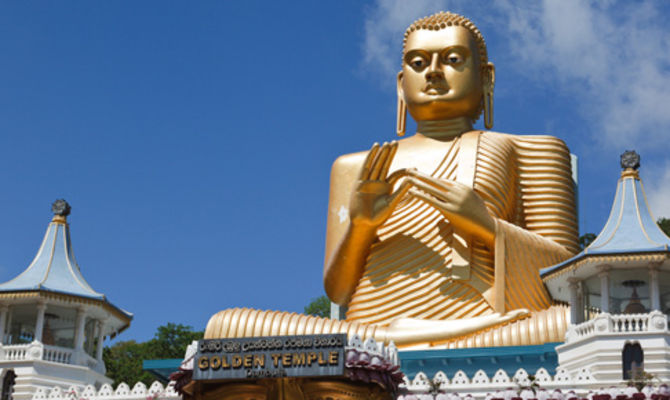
(441, 75)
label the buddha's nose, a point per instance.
(434, 72)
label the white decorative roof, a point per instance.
(54, 268)
(630, 230)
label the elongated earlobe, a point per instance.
(401, 117)
(489, 84)
(488, 110)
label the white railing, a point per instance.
(57, 354)
(630, 323)
(606, 324)
(586, 329)
(16, 352)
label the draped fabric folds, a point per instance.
(526, 184)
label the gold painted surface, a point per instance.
(544, 326)
(439, 238)
(238, 391)
(292, 389)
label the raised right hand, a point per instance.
(373, 199)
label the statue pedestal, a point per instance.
(314, 367)
(290, 389)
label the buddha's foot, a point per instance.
(545, 326)
(407, 331)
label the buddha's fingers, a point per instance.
(440, 194)
(379, 161)
(367, 164)
(389, 159)
(396, 196)
(439, 205)
(439, 183)
(396, 175)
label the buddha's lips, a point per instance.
(435, 89)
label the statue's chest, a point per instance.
(426, 159)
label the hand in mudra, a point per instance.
(459, 203)
(373, 198)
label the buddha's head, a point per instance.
(445, 70)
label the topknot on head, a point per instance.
(444, 19)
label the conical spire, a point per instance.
(54, 268)
(631, 226)
(631, 229)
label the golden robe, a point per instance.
(421, 268)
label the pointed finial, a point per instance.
(630, 160)
(61, 210)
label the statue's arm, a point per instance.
(547, 190)
(362, 197)
(346, 248)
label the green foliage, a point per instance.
(586, 239)
(319, 307)
(124, 362)
(124, 359)
(664, 224)
(641, 378)
(171, 340)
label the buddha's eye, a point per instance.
(453, 58)
(418, 62)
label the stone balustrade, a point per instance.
(616, 324)
(15, 352)
(39, 351)
(57, 354)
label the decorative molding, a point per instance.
(122, 392)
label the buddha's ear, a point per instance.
(402, 108)
(488, 83)
(489, 76)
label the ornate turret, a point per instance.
(618, 289)
(50, 314)
(619, 271)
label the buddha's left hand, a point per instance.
(457, 202)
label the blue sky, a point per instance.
(194, 139)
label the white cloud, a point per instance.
(657, 187)
(612, 57)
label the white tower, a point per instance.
(52, 323)
(618, 289)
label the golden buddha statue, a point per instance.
(438, 238)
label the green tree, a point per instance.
(664, 224)
(319, 307)
(124, 363)
(171, 340)
(124, 359)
